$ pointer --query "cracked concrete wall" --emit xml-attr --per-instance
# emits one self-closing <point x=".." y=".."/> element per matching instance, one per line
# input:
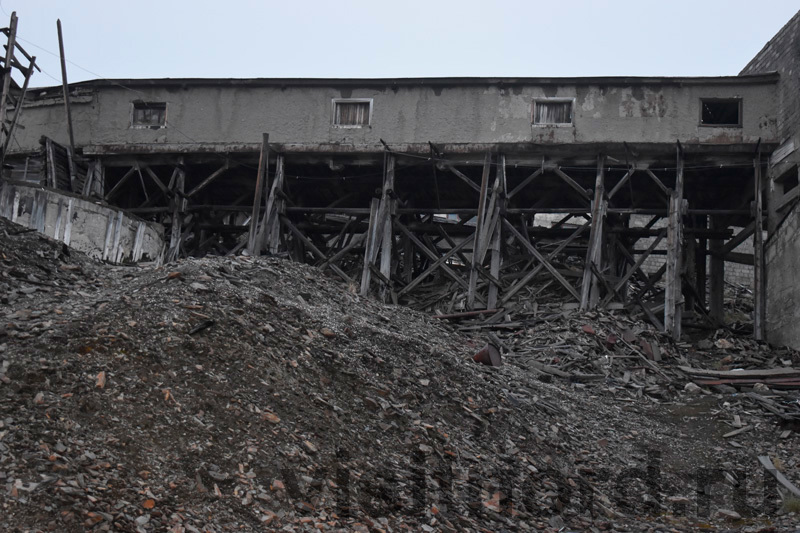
<point x="100" y="232"/>
<point x="782" y="255"/>
<point x="658" y="112"/>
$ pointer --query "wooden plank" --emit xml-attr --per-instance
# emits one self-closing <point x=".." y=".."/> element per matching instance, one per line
<point x="532" y="273"/>
<point x="372" y="232"/>
<point x="156" y="180"/>
<point x="473" y="275"/>
<point x="716" y="282"/>
<point x="17" y="110"/>
<point x="65" y="86"/>
<point x="574" y="184"/>
<point x="759" y="287"/>
<point x="621" y="182"/>
<point x="206" y="182"/>
<point x="525" y="183"/>
<point x="177" y="219"/>
<point x="673" y="296"/>
<point x="783" y="372"/>
<point x="738" y="239"/>
<point x="425" y="250"/>
<point x="5" y="95"/>
<point x="388" y="233"/>
<point x="463" y="177"/>
<point x="496" y="259"/>
<point x="310" y="245"/>
<point x="428" y="271"/>
<point x="658" y="182"/>
<point x="766" y="462"/>
<point x="532" y="249"/>
<point x="271" y="228"/>
<point x="594" y="254"/>
<point x="114" y="190"/>
<point x="636" y="266"/>
<point x="263" y="163"/>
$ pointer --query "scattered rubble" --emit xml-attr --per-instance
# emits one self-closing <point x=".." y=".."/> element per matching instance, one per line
<point x="249" y="394"/>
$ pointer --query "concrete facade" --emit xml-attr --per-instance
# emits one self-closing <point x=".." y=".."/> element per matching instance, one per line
<point x="644" y="110"/>
<point x="101" y="232"/>
<point x="782" y="255"/>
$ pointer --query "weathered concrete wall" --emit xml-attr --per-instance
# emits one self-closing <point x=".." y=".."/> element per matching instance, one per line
<point x="782" y="256"/>
<point x="638" y="111"/>
<point x="98" y="231"/>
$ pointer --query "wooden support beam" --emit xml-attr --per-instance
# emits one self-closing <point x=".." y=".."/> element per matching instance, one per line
<point x="716" y="291"/>
<point x="667" y="192"/>
<point x="156" y="180"/>
<point x="310" y="245"/>
<point x="621" y="182"/>
<point x="759" y="285"/>
<point x="276" y="206"/>
<point x="574" y="184"/>
<point x="532" y="273"/>
<point x="636" y="267"/>
<point x="65" y="85"/>
<point x="117" y="187"/>
<point x="701" y="268"/>
<point x="532" y="249"/>
<point x="738" y="239"/>
<point x="473" y="275"/>
<point x="5" y="95"/>
<point x="206" y="182"/>
<point x="389" y="209"/>
<point x="497" y="232"/>
<point x="673" y="298"/>
<point x="432" y="268"/>
<point x="525" y="183"/>
<point x="590" y="291"/>
<point x="178" y="208"/>
<point x="17" y="110"/>
<point x="462" y="176"/>
<point x="372" y="244"/>
<point x="433" y="257"/>
<point x="253" y="243"/>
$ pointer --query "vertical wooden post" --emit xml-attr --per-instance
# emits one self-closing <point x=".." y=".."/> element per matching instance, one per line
<point x="275" y="208"/>
<point x="253" y="244"/>
<point x="700" y="269"/>
<point x="673" y="299"/>
<point x="716" y="282"/>
<point x="389" y="207"/>
<point x="4" y="96"/>
<point x="590" y="291"/>
<point x="473" y="274"/>
<point x="177" y="217"/>
<point x="497" y="236"/>
<point x="370" y="245"/>
<point x="759" y="287"/>
<point x="66" y="105"/>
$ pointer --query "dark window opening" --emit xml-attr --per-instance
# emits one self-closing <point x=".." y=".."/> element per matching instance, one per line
<point x="351" y="113"/>
<point x="788" y="180"/>
<point x="721" y="112"/>
<point x="150" y="114"/>
<point x="557" y="112"/>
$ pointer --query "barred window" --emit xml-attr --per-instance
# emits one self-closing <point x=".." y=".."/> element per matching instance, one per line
<point x="352" y="113"/>
<point x="552" y="111"/>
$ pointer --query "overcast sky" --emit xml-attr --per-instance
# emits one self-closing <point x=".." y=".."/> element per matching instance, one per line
<point x="408" y="38"/>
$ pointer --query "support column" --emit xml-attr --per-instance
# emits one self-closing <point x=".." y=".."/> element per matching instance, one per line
<point x="590" y="291"/>
<point x="759" y="285"/>
<point x="389" y="205"/>
<point x="673" y="298"/>
<point x="497" y="236"/>
<point x="700" y="268"/>
<point x="178" y="209"/>
<point x="716" y="282"/>
<point x="276" y="206"/>
<point x="253" y="244"/>
<point x="473" y="274"/>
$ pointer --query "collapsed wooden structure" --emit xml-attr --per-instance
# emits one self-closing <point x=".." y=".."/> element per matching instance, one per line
<point x="457" y="228"/>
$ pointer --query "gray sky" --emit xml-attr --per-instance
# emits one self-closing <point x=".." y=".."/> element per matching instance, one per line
<point x="242" y="39"/>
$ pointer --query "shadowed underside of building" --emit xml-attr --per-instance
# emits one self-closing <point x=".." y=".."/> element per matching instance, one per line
<point x="453" y="194"/>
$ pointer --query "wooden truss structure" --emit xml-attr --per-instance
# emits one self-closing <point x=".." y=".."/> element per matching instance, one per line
<point x="481" y="229"/>
<point x="13" y="94"/>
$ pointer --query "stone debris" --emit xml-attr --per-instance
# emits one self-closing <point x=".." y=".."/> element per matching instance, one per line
<point x="245" y="394"/>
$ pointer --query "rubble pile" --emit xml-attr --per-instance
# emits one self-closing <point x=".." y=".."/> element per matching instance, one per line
<point x="240" y="394"/>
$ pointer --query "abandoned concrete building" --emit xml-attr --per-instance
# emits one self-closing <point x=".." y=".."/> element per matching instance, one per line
<point x="447" y="194"/>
